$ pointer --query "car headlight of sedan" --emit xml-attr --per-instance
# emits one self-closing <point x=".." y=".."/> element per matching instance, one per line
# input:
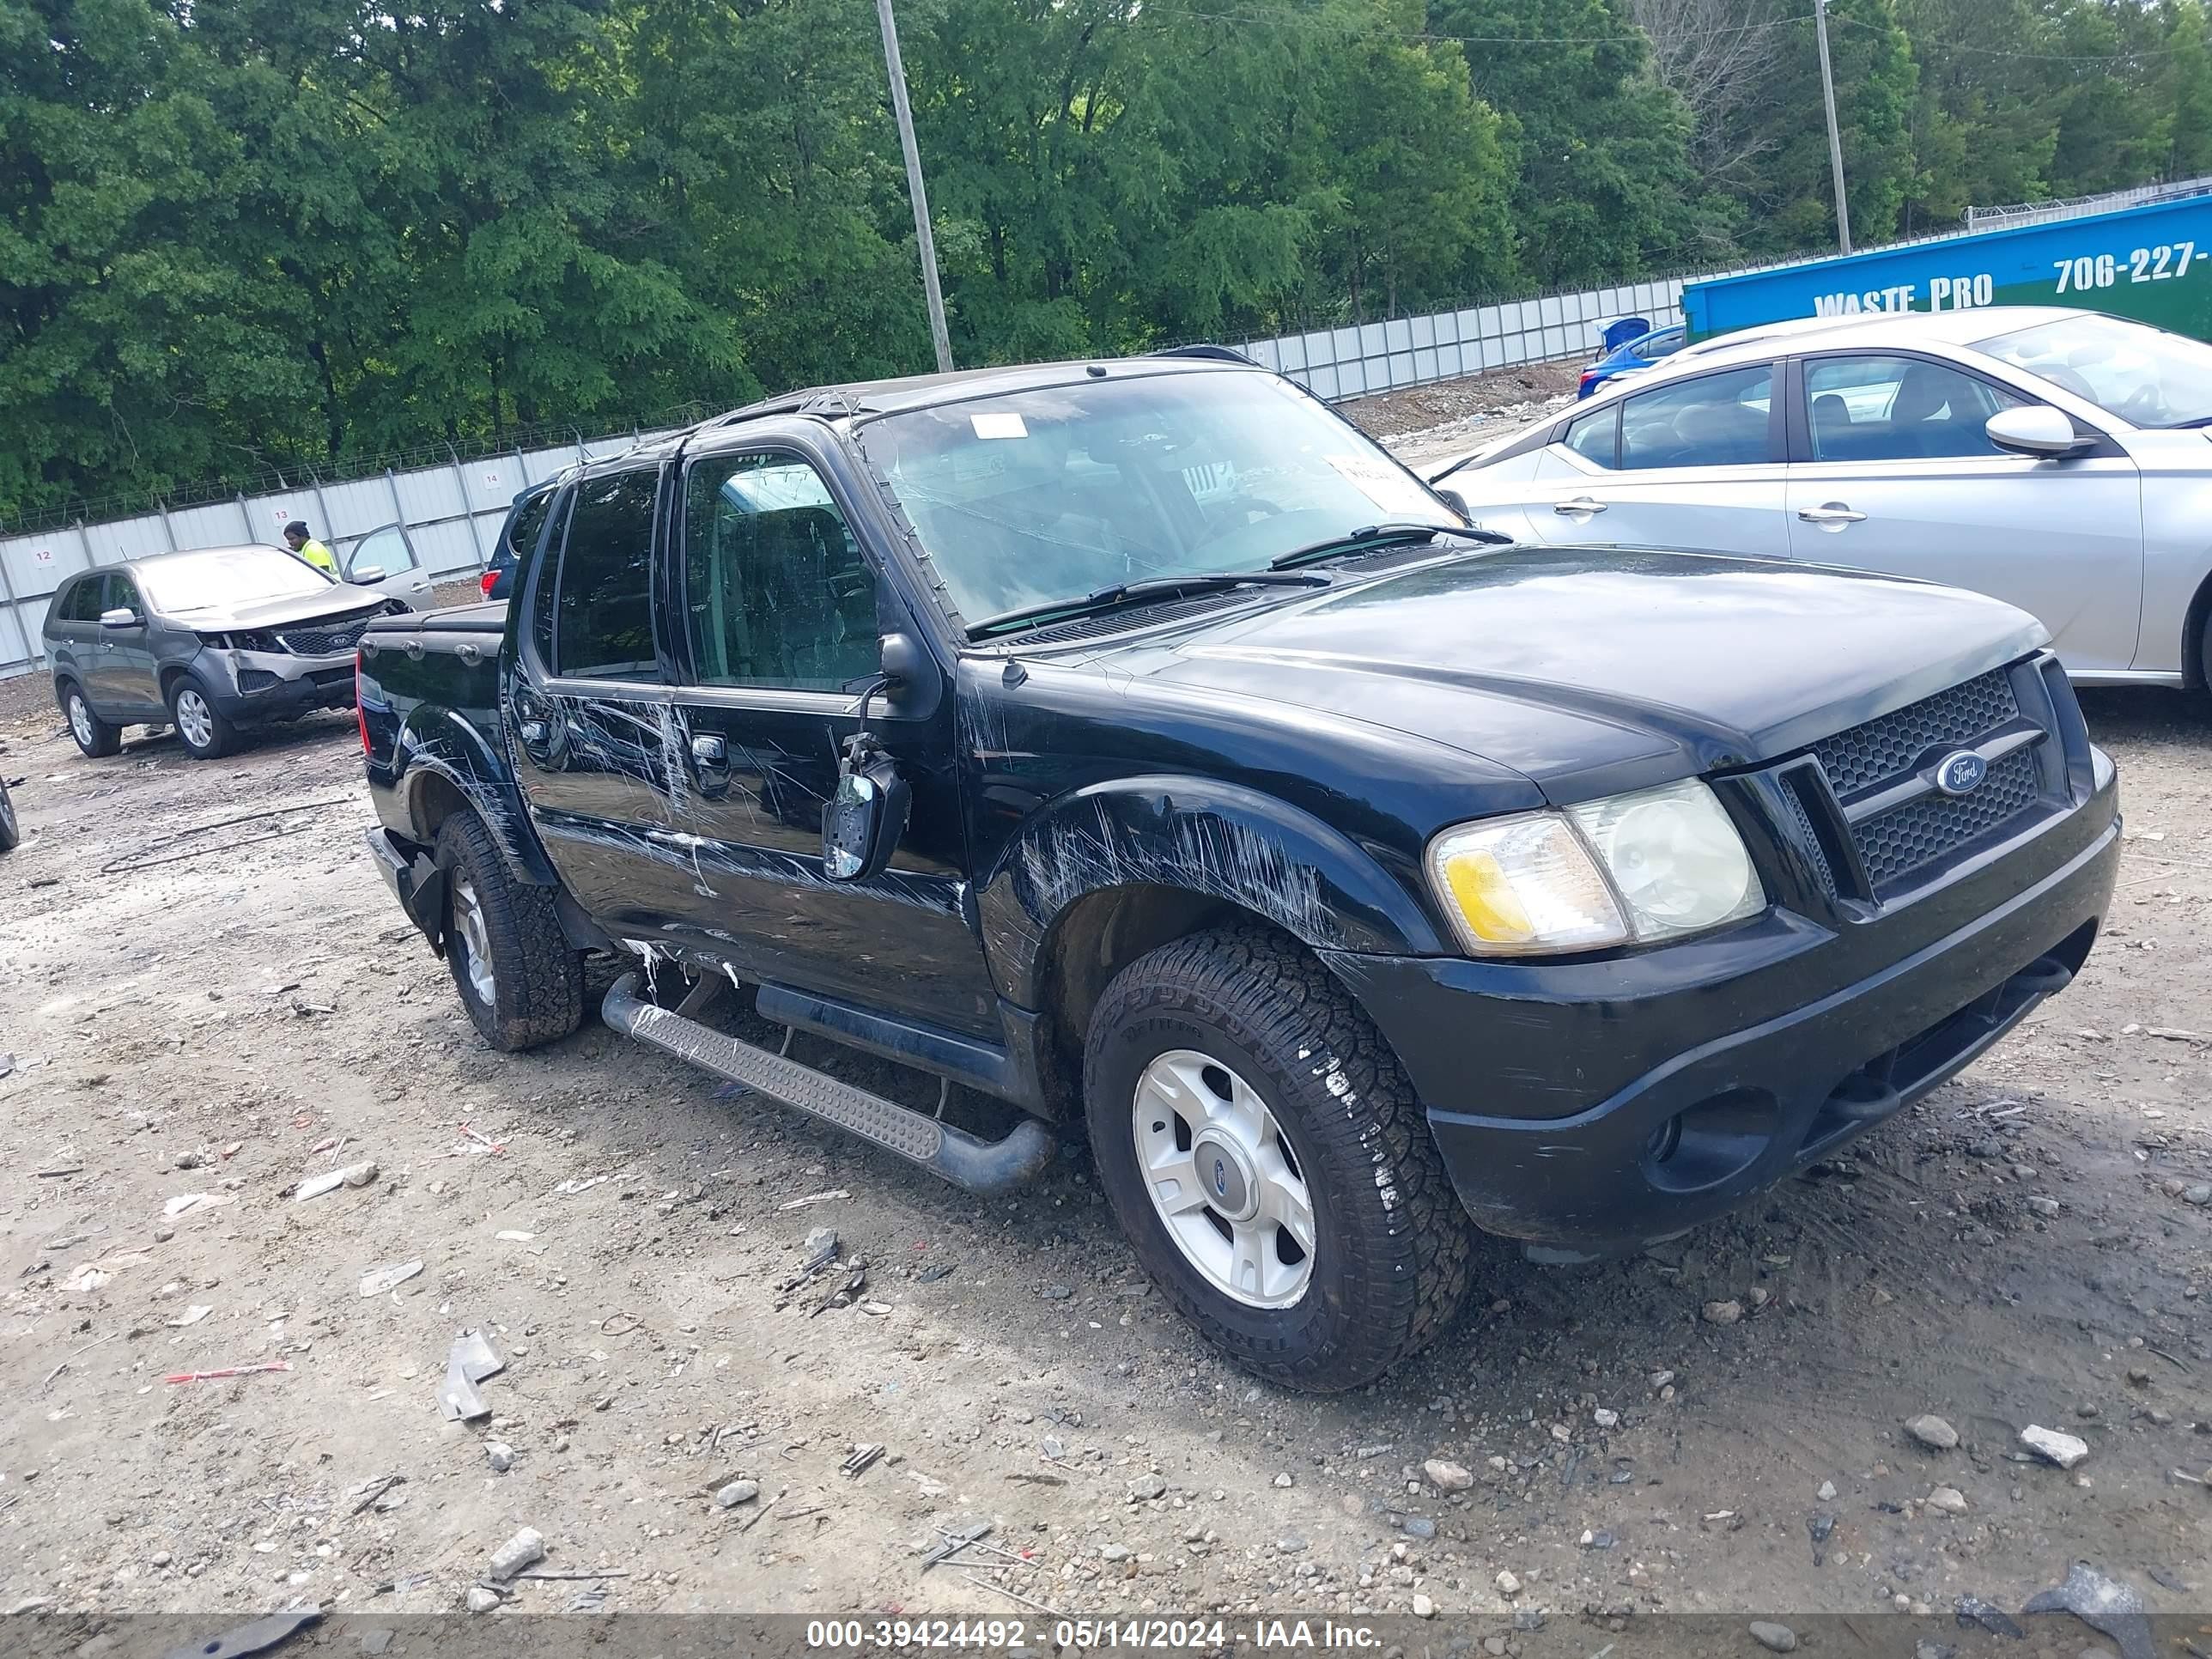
<point x="1630" y="869"/>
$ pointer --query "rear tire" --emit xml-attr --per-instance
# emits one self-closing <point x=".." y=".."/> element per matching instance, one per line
<point x="1211" y="1034"/>
<point x="11" y="830"/>
<point x="94" y="736"/>
<point x="521" y="983"/>
<point x="201" y="727"/>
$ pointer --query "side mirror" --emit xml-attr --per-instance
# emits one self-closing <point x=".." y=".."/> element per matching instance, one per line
<point x="864" y="820"/>
<point x="122" y="617"/>
<point x="367" y="573"/>
<point x="2034" y="429"/>
<point x="1457" y="502"/>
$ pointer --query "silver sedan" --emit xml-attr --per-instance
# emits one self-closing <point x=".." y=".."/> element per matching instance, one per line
<point x="2057" y="459"/>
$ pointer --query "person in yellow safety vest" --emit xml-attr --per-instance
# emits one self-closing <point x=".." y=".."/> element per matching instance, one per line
<point x="297" y="538"/>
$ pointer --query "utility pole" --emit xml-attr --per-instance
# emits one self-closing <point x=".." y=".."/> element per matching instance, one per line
<point x="926" y="242"/>
<point x="1827" y="95"/>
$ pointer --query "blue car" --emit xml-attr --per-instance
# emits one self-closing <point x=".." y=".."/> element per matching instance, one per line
<point x="1639" y="350"/>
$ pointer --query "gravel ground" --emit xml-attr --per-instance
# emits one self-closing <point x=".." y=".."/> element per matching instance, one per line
<point x="203" y="1014"/>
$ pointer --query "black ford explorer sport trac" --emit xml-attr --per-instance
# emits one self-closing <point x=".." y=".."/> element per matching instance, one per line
<point x="1136" y="748"/>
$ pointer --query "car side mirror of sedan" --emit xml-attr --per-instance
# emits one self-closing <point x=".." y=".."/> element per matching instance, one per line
<point x="367" y="573"/>
<point x="122" y="617"/>
<point x="1457" y="502"/>
<point x="2034" y="429"/>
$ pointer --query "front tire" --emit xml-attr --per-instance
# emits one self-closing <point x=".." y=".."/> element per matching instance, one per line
<point x="1265" y="1153"/>
<point x="201" y="727"/>
<point x="11" y="829"/>
<point x="521" y="983"/>
<point x="95" y="737"/>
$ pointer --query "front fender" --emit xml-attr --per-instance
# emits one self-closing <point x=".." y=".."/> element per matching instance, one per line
<point x="435" y="742"/>
<point x="1196" y="836"/>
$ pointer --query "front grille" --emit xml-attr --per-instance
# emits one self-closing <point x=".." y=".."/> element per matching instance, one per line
<point x="325" y="642"/>
<point x="1899" y="841"/>
<point x="1886" y="757"/>
<point x="1895" y="742"/>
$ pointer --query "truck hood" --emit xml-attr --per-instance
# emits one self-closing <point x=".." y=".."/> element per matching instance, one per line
<point x="342" y="601"/>
<point x="1593" y="670"/>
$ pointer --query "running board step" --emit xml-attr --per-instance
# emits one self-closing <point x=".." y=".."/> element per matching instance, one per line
<point x="965" y="1160"/>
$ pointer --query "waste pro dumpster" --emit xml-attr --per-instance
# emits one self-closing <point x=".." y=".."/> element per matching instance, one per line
<point x="2153" y="264"/>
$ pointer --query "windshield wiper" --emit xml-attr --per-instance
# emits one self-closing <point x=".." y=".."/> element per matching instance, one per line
<point x="1143" y="592"/>
<point x="1379" y="535"/>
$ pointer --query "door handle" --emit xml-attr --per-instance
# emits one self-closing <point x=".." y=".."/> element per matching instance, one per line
<point x="1830" y="513"/>
<point x="1579" y="504"/>
<point x="710" y="764"/>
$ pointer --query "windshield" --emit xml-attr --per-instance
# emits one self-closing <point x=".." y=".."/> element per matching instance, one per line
<point x="222" y="577"/>
<point x="2144" y="376"/>
<point x="1058" y="493"/>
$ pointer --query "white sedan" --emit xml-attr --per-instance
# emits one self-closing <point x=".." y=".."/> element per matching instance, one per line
<point x="2056" y="459"/>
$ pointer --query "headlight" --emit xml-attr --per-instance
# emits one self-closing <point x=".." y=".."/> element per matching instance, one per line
<point x="1632" y="869"/>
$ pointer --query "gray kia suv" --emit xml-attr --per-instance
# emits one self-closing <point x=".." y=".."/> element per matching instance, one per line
<point x="214" y="642"/>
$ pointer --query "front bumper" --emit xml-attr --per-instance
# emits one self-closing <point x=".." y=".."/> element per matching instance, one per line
<point x="1591" y="1108"/>
<point x="248" y="687"/>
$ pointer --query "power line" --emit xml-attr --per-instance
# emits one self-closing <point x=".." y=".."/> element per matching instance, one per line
<point x="1937" y="44"/>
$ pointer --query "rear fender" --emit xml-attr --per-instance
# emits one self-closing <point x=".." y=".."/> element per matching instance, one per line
<point x="437" y="749"/>
<point x="1197" y="835"/>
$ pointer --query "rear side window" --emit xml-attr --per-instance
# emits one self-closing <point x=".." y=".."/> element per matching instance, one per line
<point x="1594" y="436"/>
<point x="522" y="530"/>
<point x="602" y="621"/>
<point x="81" y="603"/>
<point x="1716" y="420"/>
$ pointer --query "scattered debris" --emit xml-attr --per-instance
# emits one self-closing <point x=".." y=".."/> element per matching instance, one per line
<point x="525" y="1549"/>
<point x="2104" y="1605"/>
<point x="513" y="1236"/>
<point x="379" y="1280"/>
<point x="482" y="1598"/>
<point x="59" y="1170"/>
<point x="353" y="1174"/>
<point x="188" y="1203"/>
<point x="191" y="1316"/>
<point x="371" y="1490"/>
<point x="2064" y="1449"/>
<point x="254" y="1637"/>
<point x="1775" y="1639"/>
<point x="472" y="1360"/>
<point x="736" y="1493"/>
<point x="863" y="1455"/>
<point x="586" y="1183"/>
<point x="228" y="1371"/>
<point x="1145" y="1487"/>
<point x="1948" y="1499"/>
<point x="936" y="1271"/>
<point x="1972" y="1610"/>
<point x="499" y="1455"/>
<point x="1036" y="1479"/>
<point x="1446" y="1476"/>
<point x="955" y="1541"/>
<point x="812" y="1199"/>
<point x="1933" y="1432"/>
<point x="74" y="1352"/>
<point x="1722" y="1313"/>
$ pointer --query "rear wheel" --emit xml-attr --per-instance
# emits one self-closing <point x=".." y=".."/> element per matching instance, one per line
<point x="1266" y="1154"/>
<point x="11" y="831"/>
<point x="201" y="727"/>
<point x="94" y="736"/>
<point x="517" y="976"/>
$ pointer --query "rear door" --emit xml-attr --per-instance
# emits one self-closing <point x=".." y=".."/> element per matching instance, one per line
<point x="1694" y="464"/>
<point x="385" y="559"/>
<point x="1893" y="471"/>
<point x="588" y="708"/>
<point x="782" y="616"/>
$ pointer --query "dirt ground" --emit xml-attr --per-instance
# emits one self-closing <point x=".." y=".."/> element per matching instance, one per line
<point x="206" y="996"/>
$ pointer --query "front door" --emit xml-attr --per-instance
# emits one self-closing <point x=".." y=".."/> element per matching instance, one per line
<point x="1695" y="464"/>
<point x="781" y="630"/>
<point x="125" y="683"/>
<point x="385" y="560"/>
<point x="1900" y="475"/>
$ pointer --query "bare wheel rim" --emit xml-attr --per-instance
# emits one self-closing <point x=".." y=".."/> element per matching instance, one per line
<point x="1223" y="1179"/>
<point x="195" y="719"/>
<point x="476" y="943"/>
<point x="81" y="721"/>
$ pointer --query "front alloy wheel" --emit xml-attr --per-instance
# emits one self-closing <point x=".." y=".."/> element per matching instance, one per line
<point x="1223" y="1179"/>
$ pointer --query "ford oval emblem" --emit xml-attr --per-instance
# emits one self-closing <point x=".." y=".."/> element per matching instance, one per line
<point x="1220" y="1178"/>
<point x="1961" y="773"/>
